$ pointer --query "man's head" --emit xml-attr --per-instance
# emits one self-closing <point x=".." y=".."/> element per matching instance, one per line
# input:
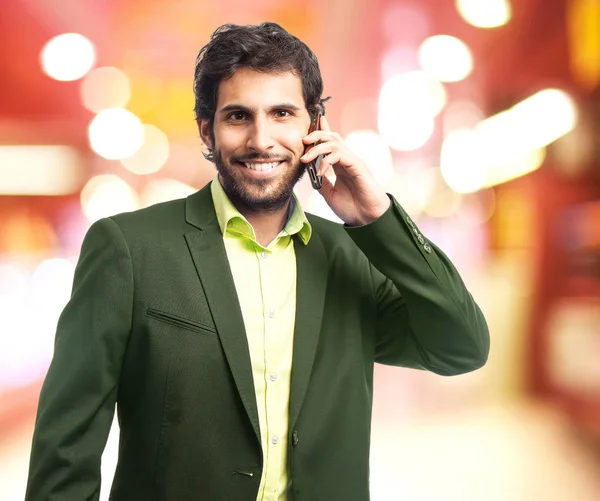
<point x="256" y="88"/>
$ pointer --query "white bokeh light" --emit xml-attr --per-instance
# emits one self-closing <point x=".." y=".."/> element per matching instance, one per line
<point x="461" y="162"/>
<point x="116" y="133"/>
<point x="405" y="132"/>
<point x="447" y="58"/>
<point x="106" y="195"/>
<point x="485" y="13"/>
<point x="408" y="104"/>
<point x="105" y="88"/>
<point x="153" y="153"/>
<point x="68" y="57"/>
<point x="370" y="147"/>
<point x="163" y="190"/>
<point x="414" y="92"/>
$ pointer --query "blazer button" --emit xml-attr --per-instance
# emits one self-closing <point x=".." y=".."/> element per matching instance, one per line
<point x="295" y="438"/>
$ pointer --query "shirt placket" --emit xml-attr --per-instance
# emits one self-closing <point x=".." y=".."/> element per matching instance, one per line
<point x="275" y="435"/>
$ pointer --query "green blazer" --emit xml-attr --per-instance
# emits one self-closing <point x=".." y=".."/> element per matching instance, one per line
<point x="154" y="326"/>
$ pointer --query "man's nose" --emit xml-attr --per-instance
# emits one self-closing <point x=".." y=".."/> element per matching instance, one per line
<point x="260" y="137"/>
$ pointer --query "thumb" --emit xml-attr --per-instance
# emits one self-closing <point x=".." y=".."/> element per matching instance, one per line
<point x="327" y="189"/>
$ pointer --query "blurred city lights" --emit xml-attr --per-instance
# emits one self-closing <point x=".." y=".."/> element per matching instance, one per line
<point x="116" y="133"/>
<point x="39" y="170"/>
<point x="477" y="208"/>
<point x="51" y="284"/>
<point x="461" y="162"/>
<point x="513" y="167"/>
<point x="443" y="201"/>
<point x="104" y="88"/>
<point x="415" y="92"/>
<point x="405" y="132"/>
<point x="399" y="60"/>
<point x="164" y="190"/>
<point x="485" y="13"/>
<point x="544" y="117"/>
<point x="447" y="58"/>
<point x="413" y="186"/>
<point x="68" y="57"/>
<point x="370" y="147"/>
<point x="460" y="115"/>
<point x="106" y="195"/>
<point x="152" y="155"/>
<point x="405" y="23"/>
<point x="407" y="105"/>
<point x="13" y="286"/>
<point x="507" y="145"/>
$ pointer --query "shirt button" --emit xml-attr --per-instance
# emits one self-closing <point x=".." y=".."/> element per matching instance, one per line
<point x="275" y="440"/>
<point x="264" y="254"/>
<point x="273" y="376"/>
<point x="271" y="313"/>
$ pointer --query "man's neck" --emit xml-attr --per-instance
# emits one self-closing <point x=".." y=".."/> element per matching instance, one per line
<point x="267" y="224"/>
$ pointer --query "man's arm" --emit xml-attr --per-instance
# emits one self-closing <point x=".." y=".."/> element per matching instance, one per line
<point x="427" y="318"/>
<point x="77" y="400"/>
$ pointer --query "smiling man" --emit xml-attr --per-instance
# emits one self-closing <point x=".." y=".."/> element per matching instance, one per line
<point x="235" y="333"/>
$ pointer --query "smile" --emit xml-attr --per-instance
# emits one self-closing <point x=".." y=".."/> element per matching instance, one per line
<point x="261" y="166"/>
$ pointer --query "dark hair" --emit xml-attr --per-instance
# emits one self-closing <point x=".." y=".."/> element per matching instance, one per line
<point x="266" y="47"/>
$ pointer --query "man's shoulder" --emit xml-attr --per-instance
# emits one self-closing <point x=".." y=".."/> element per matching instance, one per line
<point x="331" y="233"/>
<point x="161" y="221"/>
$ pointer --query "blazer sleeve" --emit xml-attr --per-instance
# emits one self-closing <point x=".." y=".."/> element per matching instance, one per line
<point x="77" y="400"/>
<point x="427" y="319"/>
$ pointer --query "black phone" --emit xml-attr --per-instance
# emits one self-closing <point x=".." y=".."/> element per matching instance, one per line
<point x="313" y="166"/>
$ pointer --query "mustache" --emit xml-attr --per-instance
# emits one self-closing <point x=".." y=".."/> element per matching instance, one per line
<point x="261" y="156"/>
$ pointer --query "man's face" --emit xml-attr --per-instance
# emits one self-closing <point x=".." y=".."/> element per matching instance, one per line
<point x="259" y="124"/>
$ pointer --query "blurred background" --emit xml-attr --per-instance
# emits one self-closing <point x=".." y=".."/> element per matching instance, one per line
<point x="481" y="116"/>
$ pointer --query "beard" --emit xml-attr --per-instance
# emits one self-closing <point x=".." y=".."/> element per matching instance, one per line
<point x="257" y="195"/>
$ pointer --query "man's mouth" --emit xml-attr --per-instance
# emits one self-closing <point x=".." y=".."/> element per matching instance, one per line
<point x="261" y="166"/>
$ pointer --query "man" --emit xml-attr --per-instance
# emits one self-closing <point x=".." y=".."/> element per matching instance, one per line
<point x="237" y="334"/>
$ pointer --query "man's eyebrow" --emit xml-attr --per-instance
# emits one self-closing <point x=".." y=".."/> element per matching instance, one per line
<point x="250" y="111"/>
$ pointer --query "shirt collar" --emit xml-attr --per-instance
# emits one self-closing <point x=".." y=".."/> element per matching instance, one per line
<point x="231" y="220"/>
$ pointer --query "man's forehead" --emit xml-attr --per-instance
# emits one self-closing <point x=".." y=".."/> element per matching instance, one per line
<point x="253" y="88"/>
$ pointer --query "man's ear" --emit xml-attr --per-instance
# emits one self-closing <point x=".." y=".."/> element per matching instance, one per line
<point x="204" y="130"/>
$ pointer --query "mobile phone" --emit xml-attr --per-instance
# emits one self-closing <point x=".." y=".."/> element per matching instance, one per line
<point x="313" y="166"/>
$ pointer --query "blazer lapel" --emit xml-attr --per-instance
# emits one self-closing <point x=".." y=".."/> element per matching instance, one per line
<point x="312" y="268"/>
<point x="210" y="259"/>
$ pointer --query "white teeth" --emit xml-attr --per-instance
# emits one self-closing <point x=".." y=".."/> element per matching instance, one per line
<point x="262" y="166"/>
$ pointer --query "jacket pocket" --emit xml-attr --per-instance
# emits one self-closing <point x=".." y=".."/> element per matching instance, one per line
<point x="178" y="321"/>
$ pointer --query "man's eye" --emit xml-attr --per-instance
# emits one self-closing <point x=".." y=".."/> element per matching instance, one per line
<point x="237" y="115"/>
<point x="282" y="113"/>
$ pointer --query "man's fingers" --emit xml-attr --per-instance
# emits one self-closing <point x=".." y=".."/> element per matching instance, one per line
<point x="325" y="124"/>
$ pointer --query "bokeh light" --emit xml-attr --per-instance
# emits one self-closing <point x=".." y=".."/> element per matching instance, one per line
<point x="370" y="147"/>
<point x="413" y="185"/>
<point x="461" y="162"/>
<point x="446" y="57"/>
<point x="103" y="88"/>
<point x="106" y="195"/>
<point x="116" y="133"/>
<point x="163" y="190"/>
<point x="68" y="57"/>
<point x="153" y="153"/>
<point x="399" y="60"/>
<point x="413" y="92"/>
<point x="485" y="13"/>
<point x="460" y="115"/>
<point x="407" y="105"/>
